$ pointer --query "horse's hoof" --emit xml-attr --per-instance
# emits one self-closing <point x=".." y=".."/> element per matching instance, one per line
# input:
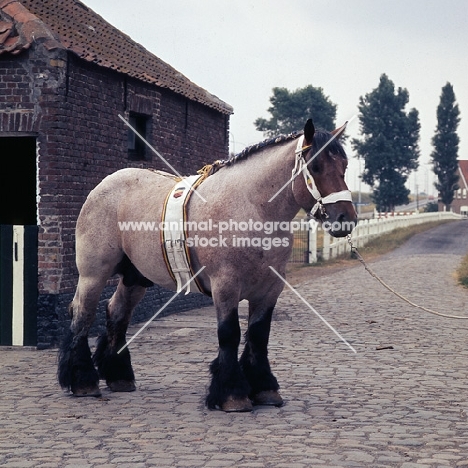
<point x="92" y="391"/>
<point x="268" y="397"/>
<point x="237" y="405"/>
<point x="122" y="386"/>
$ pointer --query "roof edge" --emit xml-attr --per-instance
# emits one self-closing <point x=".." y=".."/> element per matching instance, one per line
<point x="19" y="29"/>
<point x="202" y="97"/>
<point x="462" y="169"/>
<point x="29" y="22"/>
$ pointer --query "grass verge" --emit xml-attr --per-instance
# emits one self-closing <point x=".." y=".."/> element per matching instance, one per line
<point x="462" y="272"/>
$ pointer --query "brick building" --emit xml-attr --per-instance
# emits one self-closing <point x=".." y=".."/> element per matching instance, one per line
<point x="460" y="197"/>
<point x="65" y="76"/>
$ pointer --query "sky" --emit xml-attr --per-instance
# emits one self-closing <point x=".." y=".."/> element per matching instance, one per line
<point x="240" y="50"/>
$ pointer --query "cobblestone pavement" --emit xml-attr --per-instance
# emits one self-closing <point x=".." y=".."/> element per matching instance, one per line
<point x="401" y="401"/>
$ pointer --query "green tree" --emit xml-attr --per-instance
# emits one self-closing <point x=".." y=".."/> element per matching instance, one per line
<point x="445" y="142"/>
<point x="290" y="109"/>
<point x="389" y="144"/>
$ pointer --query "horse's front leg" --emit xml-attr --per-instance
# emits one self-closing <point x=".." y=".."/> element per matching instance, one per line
<point x="229" y="389"/>
<point x="254" y="360"/>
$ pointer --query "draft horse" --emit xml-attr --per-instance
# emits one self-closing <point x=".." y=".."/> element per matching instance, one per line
<point x="256" y="185"/>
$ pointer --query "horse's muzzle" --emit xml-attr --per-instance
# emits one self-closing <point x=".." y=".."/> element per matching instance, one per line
<point x="341" y="220"/>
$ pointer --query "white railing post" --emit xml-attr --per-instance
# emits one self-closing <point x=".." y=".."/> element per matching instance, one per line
<point x="326" y="246"/>
<point x="312" y="233"/>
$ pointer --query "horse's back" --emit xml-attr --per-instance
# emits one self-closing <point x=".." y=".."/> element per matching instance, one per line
<point x="131" y="179"/>
<point x="125" y="192"/>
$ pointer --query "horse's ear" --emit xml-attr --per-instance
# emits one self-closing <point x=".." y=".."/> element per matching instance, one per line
<point x="309" y="131"/>
<point x="340" y="130"/>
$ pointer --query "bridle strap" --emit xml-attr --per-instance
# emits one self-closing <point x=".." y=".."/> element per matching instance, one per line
<point x="301" y="166"/>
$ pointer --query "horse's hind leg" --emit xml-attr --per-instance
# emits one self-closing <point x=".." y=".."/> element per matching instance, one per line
<point x="112" y="356"/>
<point x="76" y="371"/>
<point x="254" y="359"/>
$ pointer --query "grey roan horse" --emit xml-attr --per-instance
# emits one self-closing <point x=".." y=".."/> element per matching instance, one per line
<point x="238" y="190"/>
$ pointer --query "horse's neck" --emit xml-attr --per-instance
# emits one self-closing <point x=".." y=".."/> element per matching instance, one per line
<point x="263" y="180"/>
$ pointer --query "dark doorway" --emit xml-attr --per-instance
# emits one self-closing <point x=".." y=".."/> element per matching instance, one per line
<point x="18" y="241"/>
<point x="18" y="180"/>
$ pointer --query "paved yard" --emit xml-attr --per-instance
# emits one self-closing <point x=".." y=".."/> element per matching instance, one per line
<point x="401" y="401"/>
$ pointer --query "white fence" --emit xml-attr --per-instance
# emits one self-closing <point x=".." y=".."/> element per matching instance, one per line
<point x="369" y="229"/>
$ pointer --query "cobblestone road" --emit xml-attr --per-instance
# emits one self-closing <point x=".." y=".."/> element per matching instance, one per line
<point x="401" y="401"/>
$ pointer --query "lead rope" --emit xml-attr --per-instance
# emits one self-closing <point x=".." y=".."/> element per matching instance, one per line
<point x="355" y="251"/>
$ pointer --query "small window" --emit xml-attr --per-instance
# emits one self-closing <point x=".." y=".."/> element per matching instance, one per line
<point x="136" y="146"/>
<point x="464" y="193"/>
<point x="459" y="192"/>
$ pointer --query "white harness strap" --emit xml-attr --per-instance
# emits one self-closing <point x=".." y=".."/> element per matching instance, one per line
<point x="301" y="166"/>
<point x="174" y="234"/>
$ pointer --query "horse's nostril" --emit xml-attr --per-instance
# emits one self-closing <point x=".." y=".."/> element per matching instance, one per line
<point x="343" y="225"/>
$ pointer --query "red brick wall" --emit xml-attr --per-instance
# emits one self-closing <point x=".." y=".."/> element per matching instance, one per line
<point x="73" y="106"/>
<point x="28" y="88"/>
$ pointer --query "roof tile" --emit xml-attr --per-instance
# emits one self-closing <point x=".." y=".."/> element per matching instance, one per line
<point x="72" y="25"/>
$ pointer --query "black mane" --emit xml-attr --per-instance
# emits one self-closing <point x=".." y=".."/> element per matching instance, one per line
<point x="321" y="137"/>
<point x="258" y="146"/>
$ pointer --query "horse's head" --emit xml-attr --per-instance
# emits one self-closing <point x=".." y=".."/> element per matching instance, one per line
<point x="323" y="162"/>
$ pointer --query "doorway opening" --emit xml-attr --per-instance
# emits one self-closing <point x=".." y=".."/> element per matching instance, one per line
<point x="18" y="241"/>
<point x="18" y="180"/>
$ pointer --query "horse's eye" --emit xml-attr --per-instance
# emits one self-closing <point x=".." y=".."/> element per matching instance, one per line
<point x="315" y="167"/>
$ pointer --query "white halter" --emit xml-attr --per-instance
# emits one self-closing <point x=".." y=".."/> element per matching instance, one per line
<point x="301" y="166"/>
